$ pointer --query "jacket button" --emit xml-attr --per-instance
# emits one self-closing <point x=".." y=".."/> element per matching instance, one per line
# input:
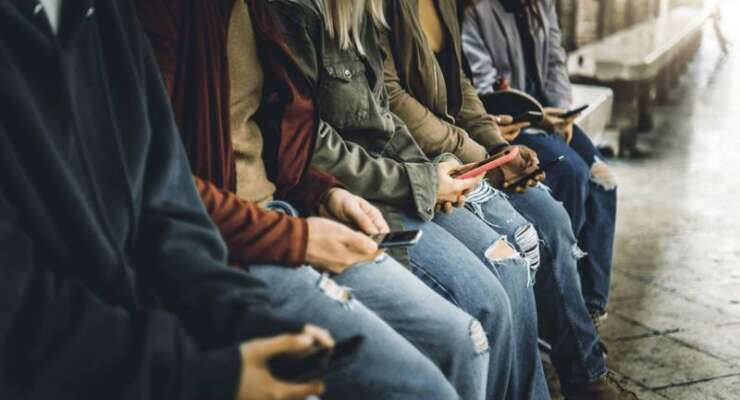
<point x="429" y="210"/>
<point x="347" y="73"/>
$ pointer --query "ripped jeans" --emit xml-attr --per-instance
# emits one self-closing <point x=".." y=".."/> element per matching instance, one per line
<point x="588" y="191"/>
<point x="564" y="321"/>
<point x="411" y="332"/>
<point x="455" y="257"/>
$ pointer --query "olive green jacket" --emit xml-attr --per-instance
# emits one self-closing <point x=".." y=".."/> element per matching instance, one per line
<point x="437" y="102"/>
<point x="365" y="146"/>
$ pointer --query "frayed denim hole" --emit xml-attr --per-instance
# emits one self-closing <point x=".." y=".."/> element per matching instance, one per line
<point x="529" y="244"/>
<point x="602" y="175"/>
<point x="478" y="337"/>
<point x="335" y="291"/>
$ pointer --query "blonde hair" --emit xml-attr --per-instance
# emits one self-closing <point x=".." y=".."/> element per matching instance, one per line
<point x="343" y="20"/>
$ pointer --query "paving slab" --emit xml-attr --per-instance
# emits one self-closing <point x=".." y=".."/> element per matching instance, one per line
<point x="618" y="328"/>
<point x="658" y="362"/>
<point x="722" y="342"/>
<point x="717" y="389"/>
<point x="669" y="312"/>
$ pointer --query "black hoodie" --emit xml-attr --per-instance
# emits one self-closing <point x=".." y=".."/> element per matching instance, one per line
<point x="113" y="281"/>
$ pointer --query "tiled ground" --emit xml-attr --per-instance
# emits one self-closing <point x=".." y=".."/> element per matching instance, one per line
<point x="674" y="331"/>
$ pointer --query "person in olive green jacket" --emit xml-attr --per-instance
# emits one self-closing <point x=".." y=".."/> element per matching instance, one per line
<point x="371" y="152"/>
<point x="429" y="91"/>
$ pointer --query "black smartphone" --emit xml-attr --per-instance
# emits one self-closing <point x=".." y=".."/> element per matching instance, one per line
<point x="397" y="239"/>
<point x="543" y="168"/>
<point x="533" y="117"/>
<point x="319" y="362"/>
<point x="573" y="112"/>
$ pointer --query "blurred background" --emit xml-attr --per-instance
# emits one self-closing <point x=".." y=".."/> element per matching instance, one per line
<point x="663" y="77"/>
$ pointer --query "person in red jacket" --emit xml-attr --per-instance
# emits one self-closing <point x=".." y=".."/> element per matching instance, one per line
<point x="210" y="63"/>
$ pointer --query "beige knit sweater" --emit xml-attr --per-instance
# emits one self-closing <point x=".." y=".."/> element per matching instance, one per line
<point x="246" y="77"/>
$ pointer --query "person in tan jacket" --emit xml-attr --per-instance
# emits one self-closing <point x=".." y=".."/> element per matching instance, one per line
<point x="429" y="91"/>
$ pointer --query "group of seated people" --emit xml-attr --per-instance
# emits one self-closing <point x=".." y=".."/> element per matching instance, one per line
<point x="189" y="189"/>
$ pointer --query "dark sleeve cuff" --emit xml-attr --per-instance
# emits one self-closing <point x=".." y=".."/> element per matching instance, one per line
<point x="220" y="374"/>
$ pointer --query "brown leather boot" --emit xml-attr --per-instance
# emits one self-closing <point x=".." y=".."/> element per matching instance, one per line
<point x="604" y="388"/>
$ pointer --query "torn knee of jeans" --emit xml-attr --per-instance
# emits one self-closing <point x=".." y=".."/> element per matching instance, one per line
<point x="478" y="337"/>
<point x="603" y="176"/>
<point x="577" y="252"/>
<point x="501" y="250"/>
<point x="529" y="243"/>
<point x="334" y="291"/>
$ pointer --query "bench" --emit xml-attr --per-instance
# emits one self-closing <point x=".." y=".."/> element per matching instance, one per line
<point x="640" y="64"/>
<point x="595" y="119"/>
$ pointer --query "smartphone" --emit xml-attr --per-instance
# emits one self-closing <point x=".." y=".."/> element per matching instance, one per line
<point x="533" y="117"/>
<point x="487" y="164"/>
<point x="397" y="239"/>
<point x="543" y="168"/>
<point x="573" y="112"/>
<point x="319" y="362"/>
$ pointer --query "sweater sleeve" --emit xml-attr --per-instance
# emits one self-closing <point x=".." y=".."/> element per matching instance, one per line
<point x="477" y="53"/>
<point x="476" y="120"/>
<point x="254" y="235"/>
<point x="558" y="89"/>
<point x="433" y="134"/>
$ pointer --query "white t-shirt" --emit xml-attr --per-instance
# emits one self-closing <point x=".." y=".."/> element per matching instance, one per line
<point x="53" y="9"/>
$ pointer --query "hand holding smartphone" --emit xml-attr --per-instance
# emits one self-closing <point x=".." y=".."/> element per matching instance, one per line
<point x="542" y="169"/>
<point x="320" y="361"/>
<point x="488" y="164"/>
<point x="397" y="239"/>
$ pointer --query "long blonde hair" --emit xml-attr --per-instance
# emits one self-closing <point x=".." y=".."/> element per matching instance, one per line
<point x="343" y="20"/>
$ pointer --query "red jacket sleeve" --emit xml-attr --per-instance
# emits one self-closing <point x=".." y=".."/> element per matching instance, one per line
<point x="307" y="194"/>
<point x="254" y="235"/>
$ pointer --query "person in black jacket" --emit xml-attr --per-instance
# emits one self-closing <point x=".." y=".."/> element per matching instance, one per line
<point x="113" y="281"/>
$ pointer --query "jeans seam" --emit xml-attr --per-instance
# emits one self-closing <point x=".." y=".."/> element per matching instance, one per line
<point x="556" y="280"/>
<point x="447" y="294"/>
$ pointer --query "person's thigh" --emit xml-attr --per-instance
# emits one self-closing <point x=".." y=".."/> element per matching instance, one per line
<point x="498" y="212"/>
<point x="584" y="146"/>
<point x="496" y="293"/>
<point x="549" y="147"/>
<point x="387" y="366"/>
<point x="443" y="332"/>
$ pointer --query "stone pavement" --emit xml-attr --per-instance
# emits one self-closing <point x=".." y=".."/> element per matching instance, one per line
<point x="674" y="328"/>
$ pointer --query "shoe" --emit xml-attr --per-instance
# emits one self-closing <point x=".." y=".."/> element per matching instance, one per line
<point x="605" y="388"/>
<point x="598" y="318"/>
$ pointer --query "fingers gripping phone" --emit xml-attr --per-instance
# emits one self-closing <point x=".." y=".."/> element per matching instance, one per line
<point x="397" y="239"/>
<point x="319" y="362"/>
<point x="487" y="164"/>
<point x="543" y="168"/>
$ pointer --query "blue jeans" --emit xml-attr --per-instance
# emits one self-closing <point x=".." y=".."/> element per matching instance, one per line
<point x="451" y="259"/>
<point x="405" y="323"/>
<point x="410" y="332"/>
<point x="564" y="321"/>
<point x="591" y="205"/>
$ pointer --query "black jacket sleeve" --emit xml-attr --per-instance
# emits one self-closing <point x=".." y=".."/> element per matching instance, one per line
<point x="59" y="340"/>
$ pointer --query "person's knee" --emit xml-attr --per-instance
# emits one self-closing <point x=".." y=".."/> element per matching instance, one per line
<point x="603" y="176"/>
<point x="500" y="250"/>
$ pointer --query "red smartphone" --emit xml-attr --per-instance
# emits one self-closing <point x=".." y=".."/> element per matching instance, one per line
<point x="487" y="164"/>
